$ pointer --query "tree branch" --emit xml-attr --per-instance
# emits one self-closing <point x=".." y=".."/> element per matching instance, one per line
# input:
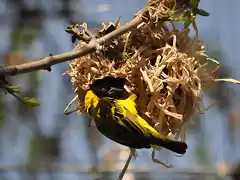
<point x="51" y="60"/>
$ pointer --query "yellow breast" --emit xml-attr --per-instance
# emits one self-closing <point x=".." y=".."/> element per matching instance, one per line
<point x="90" y="100"/>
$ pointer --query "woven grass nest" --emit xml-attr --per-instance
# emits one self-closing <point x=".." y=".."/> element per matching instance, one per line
<point x="163" y="66"/>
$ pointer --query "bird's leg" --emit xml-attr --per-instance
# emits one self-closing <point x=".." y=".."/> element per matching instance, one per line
<point x="158" y="161"/>
<point x="133" y="152"/>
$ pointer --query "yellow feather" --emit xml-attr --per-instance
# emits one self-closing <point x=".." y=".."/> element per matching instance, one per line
<point x="129" y="103"/>
<point x="90" y="100"/>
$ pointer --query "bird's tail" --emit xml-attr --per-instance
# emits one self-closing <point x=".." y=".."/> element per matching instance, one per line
<point x="172" y="145"/>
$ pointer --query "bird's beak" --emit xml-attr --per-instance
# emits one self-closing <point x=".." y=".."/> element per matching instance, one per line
<point x="115" y="90"/>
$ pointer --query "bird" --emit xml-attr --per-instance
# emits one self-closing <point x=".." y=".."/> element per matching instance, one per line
<point x="118" y="119"/>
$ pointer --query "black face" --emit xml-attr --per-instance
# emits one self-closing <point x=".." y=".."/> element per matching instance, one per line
<point x="109" y="87"/>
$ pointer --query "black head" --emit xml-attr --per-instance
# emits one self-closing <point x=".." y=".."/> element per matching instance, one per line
<point x="109" y="87"/>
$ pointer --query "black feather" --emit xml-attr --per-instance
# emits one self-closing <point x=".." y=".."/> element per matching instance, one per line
<point x="109" y="87"/>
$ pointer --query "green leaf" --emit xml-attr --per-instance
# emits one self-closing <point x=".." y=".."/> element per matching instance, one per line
<point x="187" y="24"/>
<point x="69" y="29"/>
<point x="202" y="12"/>
<point x="184" y="17"/>
<point x="13" y="89"/>
<point x="31" y="102"/>
<point x="195" y="3"/>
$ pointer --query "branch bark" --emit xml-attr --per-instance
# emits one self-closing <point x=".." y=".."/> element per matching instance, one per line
<point x="51" y="60"/>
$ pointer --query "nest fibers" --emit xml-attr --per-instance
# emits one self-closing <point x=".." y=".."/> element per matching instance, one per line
<point x="163" y="67"/>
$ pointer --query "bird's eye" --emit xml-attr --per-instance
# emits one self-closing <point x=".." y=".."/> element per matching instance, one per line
<point x="104" y="90"/>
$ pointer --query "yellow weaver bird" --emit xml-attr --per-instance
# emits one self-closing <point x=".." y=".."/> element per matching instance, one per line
<point x="118" y="120"/>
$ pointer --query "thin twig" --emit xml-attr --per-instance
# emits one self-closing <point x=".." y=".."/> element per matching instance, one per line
<point x="125" y="166"/>
<point x="69" y="105"/>
<point x="49" y="61"/>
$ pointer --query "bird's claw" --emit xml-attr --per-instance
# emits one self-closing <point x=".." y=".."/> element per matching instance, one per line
<point x="160" y="162"/>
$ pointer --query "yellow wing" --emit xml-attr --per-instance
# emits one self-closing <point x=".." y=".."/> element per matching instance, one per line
<point x="128" y="104"/>
<point x="127" y="108"/>
<point x="131" y="118"/>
